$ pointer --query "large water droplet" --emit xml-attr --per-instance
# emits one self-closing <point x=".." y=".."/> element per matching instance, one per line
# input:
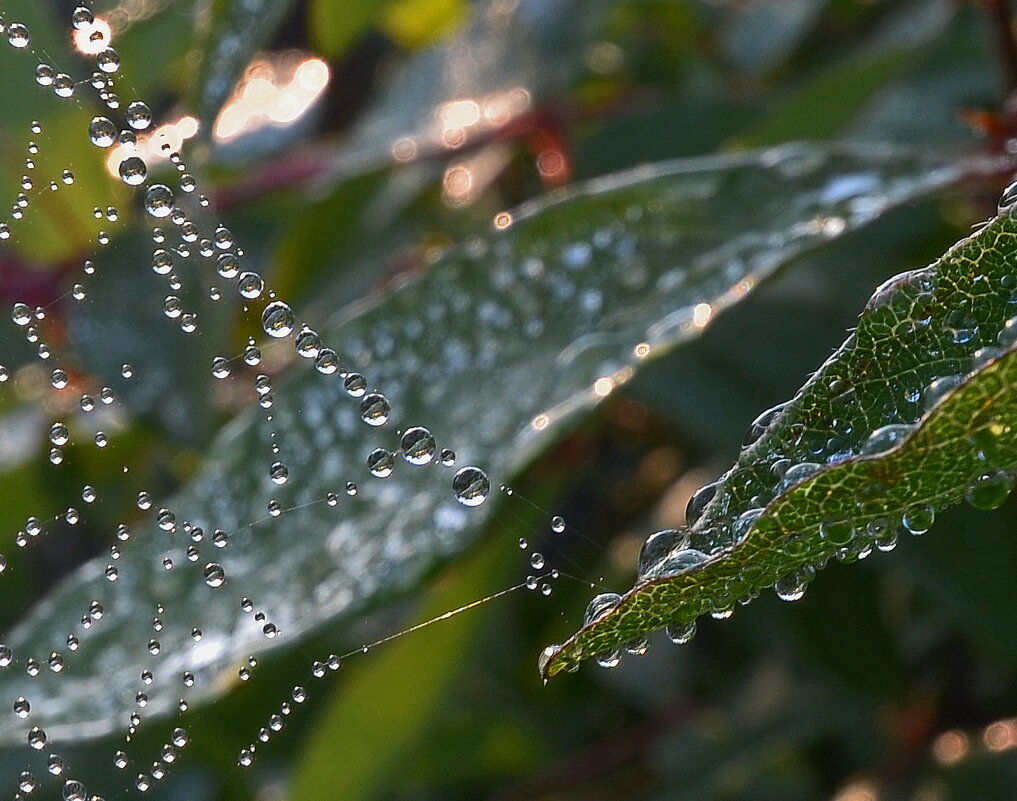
<point x="470" y="486"/>
<point x="139" y="115"/>
<point x="277" y="319"/>
<point x="215" y="576"/>
<point x="374" y="409"/>
<point x="677" y="563"/>
<point x="74" y="791"/>
<point x="159" y="201"/>
<point x="919" y="519"/>
<point x="600" y="606"/>
<point x="418" y="445"/>
<point x="989" y="491"/>
<point x="762" y="422"/>
<point x="697" y="503"/>
<point x="133" y="170"/>
<point x="380" y="463"/>
<point x="657" y="547"/>
<point x="681" y="633"/>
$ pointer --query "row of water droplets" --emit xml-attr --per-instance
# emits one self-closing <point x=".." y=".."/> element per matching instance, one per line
<point x="417" y="445"/>
<point x="903" y="308"/>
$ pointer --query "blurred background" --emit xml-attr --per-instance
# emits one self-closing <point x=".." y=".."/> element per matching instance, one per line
<point x="344" y="143"/>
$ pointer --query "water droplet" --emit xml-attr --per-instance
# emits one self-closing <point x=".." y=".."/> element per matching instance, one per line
<point x="697" y="503"/>
<point x="681" y="633"/>
<point x="74" y="790"/>
<point x="17" y="35"/>
<point x="159" y="200"/>
<point x="250" y="285"/>
<point x="215" y="576"/>
<point x="380" y="463"/>
<point x="798" y="473"/>
<point x="228" y="266"/>
<point x="417" y="445"/>
<point x="326" y="362"/>
<point x="277" y="319"/>
<point x="22" y="707"/>
<point x="677" y="563"/>
<point x="44" y="75"/>
<point x="374" y="409"/>
<point x="355" y="385"/>
<point x="63" y="85"/>
<point x="837" y="532"/>
<point x="470" y="486"/>
<point x="21" y="314"/>
<point x="659" y="546"/>
<point x="989" y="491"/>
<point x="762" y="422"/>
<point x="139" y="115"/>
<point x="558" y="525"/>
<point x="220" y="367"/>
<point x="537" y="560"/>
<point x="133" y="170"/>
<point x="1007" y="198"/>
<point x="919" y="519"/>
<point x="37" y="738"/>
<point x="26" y="782"/>
<point x="279" y="473"/>
<point x="792" y="587"/>
<point x="308" y="343"/>
<point x="447" y="457"/>
<point x="58" y="434"/>
<point x="599" y="606"/>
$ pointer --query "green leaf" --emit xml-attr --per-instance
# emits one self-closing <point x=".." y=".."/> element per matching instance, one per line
<point x="853" y="459"/>
<point x="494" y="348"/>
<point x="336" y="26"/>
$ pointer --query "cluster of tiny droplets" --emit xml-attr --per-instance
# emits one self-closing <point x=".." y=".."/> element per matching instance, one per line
<point x="176" y="237"/>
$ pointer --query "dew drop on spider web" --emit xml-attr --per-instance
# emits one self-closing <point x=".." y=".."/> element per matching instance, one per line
<point x="138" y="115"/>
<point x="380" y="462"/>
<point x="159" y="201"/>
<point x="82" y="18"/>
<point x="133" y="170"/>
<point x="18" y="35"/>
<point x="374" y="409"/>
<point x="277" y="319"/>
<point x="418" y="445"/>
<point x="214" y="574"/>
<point x="470" y="486"/>
<point x="250" y="285"/>
<point x="355" y="385"/>
<point x="279" y="473"/>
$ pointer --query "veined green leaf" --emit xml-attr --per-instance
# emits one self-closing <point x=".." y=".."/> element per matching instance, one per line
<point x="499" y="342"/>
<point x="915" y="412"/>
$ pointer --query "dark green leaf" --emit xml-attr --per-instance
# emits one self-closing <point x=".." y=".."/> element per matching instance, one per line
<point x="853" y="458"/>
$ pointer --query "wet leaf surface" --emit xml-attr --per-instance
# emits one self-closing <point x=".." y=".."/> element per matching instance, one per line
<point x="914" y="413"/>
